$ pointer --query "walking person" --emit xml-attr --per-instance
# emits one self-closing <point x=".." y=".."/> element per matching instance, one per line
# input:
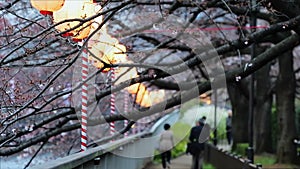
<point x="197" y="140"/>
<point x="166" y="143"/>
<point x="229" y="128"/>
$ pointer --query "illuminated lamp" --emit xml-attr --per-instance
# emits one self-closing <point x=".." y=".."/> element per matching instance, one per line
<point x="75" y="10"/>
<point x="108" y="50"/>
<point x="47" y="7"/>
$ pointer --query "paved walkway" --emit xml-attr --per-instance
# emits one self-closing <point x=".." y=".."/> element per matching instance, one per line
<point x="185" y="161"/>
<point x="182" y="162"/>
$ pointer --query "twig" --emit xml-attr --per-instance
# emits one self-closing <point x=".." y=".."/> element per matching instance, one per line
<point x="35" y="154"/>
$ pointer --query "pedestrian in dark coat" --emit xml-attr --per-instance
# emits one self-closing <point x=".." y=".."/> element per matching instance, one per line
<point x="197" y="145"/>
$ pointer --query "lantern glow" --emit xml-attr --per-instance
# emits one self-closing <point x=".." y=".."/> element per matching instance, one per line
<point x="108" y="50"/>
<point x="47" y="7"/>
<point x="75" y="10"/>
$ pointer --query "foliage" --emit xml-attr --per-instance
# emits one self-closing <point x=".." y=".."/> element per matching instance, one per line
<point x="221" y="131"/>
<point x="241" y="149"/>
<point x="181" y="131"/>
<point x="265" y="159"/>
<point x="179" y="149"/>
<point x="268" y="161"/>
<point x="208" y="166"/>
<point x="186" y="106"/>
<point x="274" y="126"/>
<point x="156" y="158"/>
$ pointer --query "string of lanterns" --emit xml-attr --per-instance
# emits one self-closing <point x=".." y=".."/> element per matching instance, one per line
<point x="102" y="45"/>
<point x="47" y="7"/>
<point x="61" y="10"/>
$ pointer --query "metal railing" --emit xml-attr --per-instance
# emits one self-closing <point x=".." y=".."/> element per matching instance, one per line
<point x="225" y="160"/>
<point x="136" y="151"/>
<point x="132" y="152"/>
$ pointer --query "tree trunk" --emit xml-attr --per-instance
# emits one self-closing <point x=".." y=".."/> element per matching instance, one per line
<point x="262" y="113"/>
<point x="239" y="102"/>
<point x="285" y="106"/>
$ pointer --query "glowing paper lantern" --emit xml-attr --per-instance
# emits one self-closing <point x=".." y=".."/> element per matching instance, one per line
<point x="47" y="7"/>
<point x="75" y="10"/>
<point x="108" y="50"/>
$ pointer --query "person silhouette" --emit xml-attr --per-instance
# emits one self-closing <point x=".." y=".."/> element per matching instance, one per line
<point x="197" y="137"/>
<point x="229" y="128"/>
<point x="166" y="143"/>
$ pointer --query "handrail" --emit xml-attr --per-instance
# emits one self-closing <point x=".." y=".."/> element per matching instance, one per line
<point x="220" y="158"/>
<point x="77" y="159"/>
<point x="90" y="157"/>
<point x="162" y="120"/>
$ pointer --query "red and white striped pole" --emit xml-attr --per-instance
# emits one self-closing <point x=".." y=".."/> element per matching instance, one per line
<point x="112" y="103"/>
<point x="84" y="98"/>
<point x="126" y="98"/>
